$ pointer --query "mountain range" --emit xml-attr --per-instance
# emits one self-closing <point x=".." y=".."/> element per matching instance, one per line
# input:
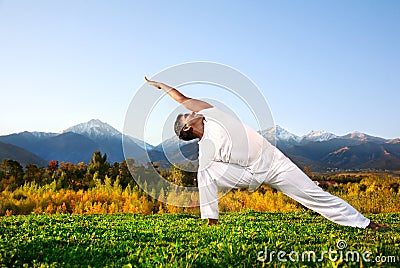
<point x="319" y="149"/>
<point x="77" y="143"/>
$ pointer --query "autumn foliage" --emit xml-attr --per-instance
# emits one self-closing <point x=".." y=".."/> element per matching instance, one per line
<point x="99" y="187"/>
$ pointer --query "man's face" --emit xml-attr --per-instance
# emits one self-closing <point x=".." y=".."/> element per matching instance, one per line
<point x="185" y="122"/>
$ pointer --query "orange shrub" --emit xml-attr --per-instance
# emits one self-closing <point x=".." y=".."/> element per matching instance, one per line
<point x="371" y="195"/>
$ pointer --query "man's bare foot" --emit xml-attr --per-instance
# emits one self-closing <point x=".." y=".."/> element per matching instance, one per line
<point x="212" y="222"/>
<point x="374" y="226"/>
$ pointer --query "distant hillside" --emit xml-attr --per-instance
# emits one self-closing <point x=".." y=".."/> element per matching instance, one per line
<point x="319" y="149"/>
<point x="9" y="151"/>
<point x="77" y="143"/>
<point x="346" y="154"/>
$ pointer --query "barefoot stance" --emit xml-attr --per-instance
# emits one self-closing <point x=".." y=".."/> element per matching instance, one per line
<point x="374" y="226"/>
<point x="233" y="155"/>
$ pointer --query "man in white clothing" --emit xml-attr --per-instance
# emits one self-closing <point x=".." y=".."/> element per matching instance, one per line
<point x="233" y="155"/>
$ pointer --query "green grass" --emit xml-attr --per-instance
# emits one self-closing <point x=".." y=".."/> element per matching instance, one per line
<point x="182" y="240"/>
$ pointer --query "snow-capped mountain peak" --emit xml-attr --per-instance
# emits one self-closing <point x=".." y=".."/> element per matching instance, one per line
<point x="172" y="144"/>
<point x="94" y="129"/>
<point x="318" y="136"/>
<point x="394" y="141"/>
<point x="284" y="135"/>
<point x="279" y="134"/>
<point x="43" y="135"/>
<point x="356" y="135"/>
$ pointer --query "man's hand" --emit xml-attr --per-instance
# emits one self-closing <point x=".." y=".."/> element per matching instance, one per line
<point x="153" y="83"/>
<point x="189" y="103"/>
<point x="212" y="222"/>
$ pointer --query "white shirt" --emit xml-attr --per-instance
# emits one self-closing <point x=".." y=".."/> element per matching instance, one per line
<point x="226" y="139"/>
<point x="233" y="155"/>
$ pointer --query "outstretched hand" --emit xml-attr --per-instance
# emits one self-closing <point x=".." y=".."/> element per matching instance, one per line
<point x="189" y="103"/>
<point x="153" y="83"/>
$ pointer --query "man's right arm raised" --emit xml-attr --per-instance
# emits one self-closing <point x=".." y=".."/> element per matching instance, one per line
<point x="189" y="103"/>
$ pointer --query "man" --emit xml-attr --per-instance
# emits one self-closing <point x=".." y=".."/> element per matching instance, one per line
<point x="232" y="155"/>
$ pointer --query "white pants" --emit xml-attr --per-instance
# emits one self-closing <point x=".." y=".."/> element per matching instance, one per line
<point x="288" y="179"/>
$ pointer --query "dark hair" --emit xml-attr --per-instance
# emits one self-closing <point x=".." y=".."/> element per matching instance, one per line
<point x="179" y="124"/>
<point x="187" y="135"/>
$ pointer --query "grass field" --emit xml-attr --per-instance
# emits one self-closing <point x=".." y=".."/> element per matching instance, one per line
<point x="182" y="240"/>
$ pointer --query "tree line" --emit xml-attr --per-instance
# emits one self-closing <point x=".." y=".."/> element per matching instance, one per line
<point x="82" y="176"/>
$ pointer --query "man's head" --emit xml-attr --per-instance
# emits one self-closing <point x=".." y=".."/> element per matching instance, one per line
<point x="185" y="126"/>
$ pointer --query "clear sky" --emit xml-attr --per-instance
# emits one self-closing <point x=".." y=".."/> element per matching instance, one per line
<point x="322" y="65"/>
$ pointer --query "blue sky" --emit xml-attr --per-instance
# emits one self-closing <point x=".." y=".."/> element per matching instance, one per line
<point x="322" y="65"/>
